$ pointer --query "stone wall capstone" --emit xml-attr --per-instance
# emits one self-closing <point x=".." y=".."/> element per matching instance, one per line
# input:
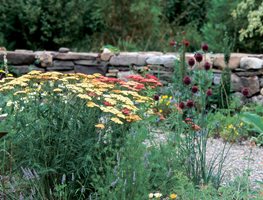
<point x="247" y="69"/>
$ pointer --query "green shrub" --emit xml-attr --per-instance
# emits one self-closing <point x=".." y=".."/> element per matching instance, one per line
<point x="250" y="13"/>
<point x="218" y="23"/>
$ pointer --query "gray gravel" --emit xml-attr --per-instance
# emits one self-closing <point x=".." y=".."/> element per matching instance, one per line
<point x="241" y="157"/>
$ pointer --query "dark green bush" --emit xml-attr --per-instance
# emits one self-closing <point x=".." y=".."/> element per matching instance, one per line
<point x="45" y="24"/>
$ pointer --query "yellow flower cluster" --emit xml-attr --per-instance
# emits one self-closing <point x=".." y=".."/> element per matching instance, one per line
<point x="109" y="95"/>
<point x="233" y="129"/>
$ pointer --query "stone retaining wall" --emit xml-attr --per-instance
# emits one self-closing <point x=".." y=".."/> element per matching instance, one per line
<point x="247" y="69"/>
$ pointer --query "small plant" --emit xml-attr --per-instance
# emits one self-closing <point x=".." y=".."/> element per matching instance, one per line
<point x="255" y="123"/>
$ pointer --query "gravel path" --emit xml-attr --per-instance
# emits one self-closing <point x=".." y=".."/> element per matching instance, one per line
<point x="240" y="158"/>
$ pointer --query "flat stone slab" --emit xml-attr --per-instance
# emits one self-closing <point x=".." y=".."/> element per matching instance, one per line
<point x="19" y="58"/>
<point x="86" y="62"/>
<point x="23" y="69"/>
<point x="251" y="63"/>
<point x="61" y="65"/>
<point x="234" y="62"/>
<point x="101" y="69"/>
<point x="165" y="60"/>
<point x="75" y="56"/>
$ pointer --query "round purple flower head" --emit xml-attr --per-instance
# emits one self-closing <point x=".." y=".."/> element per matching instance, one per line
<point x="187" y="80"/>
<point x="205" y="47"/>
<point x="198" y="57"/>
<point x="191" y="62"/>
<point x="207" y="66"/>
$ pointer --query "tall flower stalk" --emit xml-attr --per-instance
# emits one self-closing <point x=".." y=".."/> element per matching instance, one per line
<point x="192" y="91"/>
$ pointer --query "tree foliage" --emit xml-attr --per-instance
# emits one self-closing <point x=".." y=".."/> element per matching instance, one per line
<point x="251" y="11"/>
<point x="130" y="25"/>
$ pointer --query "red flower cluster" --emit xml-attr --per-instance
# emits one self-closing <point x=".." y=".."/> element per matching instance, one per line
<point x="150" y="80"/>
<point x="126" y="111"/>
<point x="107" y="103"/>
<point x="194" y="126"/>
<point x="109" y="79"/>
<point x="151" y="77"/>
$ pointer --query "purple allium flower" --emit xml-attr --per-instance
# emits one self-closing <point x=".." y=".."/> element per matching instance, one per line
<point x="245" y="91"/>
<point x="186" y="43"/>
<point x="209" y="92"/>
<point x="181" y="105"/>
<point x="194" y="89"/>
<point x="198" y="57"/>
<point x="205" y="47"/>
<point x="187" y="80"/>
<point x="189" y="103"/>
<point x="207" y="66"/>
<point x="191" y="62"/>
<point x="156" y="97"/>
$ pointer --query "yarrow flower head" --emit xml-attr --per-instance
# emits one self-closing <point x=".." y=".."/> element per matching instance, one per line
<point x="187" y="80"/>
<point x="207" y="66"/>
<point x="245" y="91"/>
<point x="107" y="103"/>
<point x="204" y="47"/>
<point x="198" y="57"/>
<point x="191" y="62"/>
<point x="173" y="196"/>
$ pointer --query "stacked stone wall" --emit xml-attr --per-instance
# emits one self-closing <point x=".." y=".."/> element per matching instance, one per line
<point x="247" y="69"/>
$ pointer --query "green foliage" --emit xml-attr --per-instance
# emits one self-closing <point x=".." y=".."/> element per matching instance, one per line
<point x="252" y="10"/>
<point x="56" y="140"/>
<point x="181" y="13"/>
<point x="226" y="126"/>
<point x="253" y="119"/>
<point x="46" y="24"/>
<point x="219" y="21"/>
<point x="225" y="83"/>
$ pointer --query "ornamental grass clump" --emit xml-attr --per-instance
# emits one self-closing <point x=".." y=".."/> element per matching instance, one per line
<point x="68" y="125"/>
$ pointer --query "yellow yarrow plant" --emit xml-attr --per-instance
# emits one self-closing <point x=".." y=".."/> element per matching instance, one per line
<point x="108" y="95"/>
